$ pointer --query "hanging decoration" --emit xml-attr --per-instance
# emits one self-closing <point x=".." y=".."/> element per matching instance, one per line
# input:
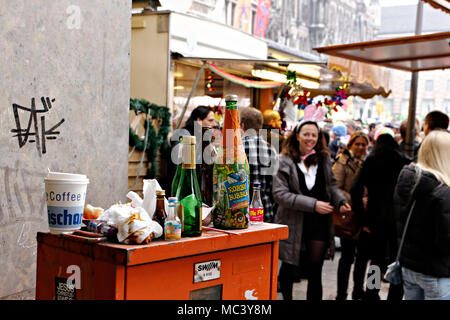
<point x="154" y="139"/>
<point x="316" y="111"/>
<point x="210" y="83"/>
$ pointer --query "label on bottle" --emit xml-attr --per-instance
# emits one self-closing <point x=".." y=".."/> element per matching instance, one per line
<point x="237" y="192"/>
<point x="172" y="230"/>
<point x="188" y="156"/>
<point x="256" y="214"/>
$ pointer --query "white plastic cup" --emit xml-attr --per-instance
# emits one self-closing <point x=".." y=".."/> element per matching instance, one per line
<point x="66" y="196"/>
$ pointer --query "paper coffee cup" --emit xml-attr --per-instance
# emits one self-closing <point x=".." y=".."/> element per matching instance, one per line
<point x="66" y="196"/>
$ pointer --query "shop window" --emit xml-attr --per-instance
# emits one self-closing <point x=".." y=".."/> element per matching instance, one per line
<point x="429" y="85"/>
<point x="388" y="106"/>
<point x="446" y="106"/>
<point x="404" y="108"/>
<point x="407" y="85"/>
<point x="427" y="106"/>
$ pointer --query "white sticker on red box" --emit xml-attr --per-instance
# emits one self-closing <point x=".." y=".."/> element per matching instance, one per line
<point x="205" y="271"/>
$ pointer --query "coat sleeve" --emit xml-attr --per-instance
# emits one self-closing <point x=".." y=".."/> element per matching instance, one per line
<point x="337" y="198"/>
<point x="357" y="193"/>
<point x="442" y="222"/>
<point x="283" y="195"/>
<point x="339" y="173"/>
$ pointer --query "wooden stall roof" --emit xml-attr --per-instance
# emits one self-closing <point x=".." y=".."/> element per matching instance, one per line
<point x="414" y="53"/>
<point x="443" y="5"/>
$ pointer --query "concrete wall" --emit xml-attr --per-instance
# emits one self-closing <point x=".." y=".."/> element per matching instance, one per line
<point x="76" y="53"/>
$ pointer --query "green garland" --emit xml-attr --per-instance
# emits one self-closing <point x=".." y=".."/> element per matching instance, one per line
<point x="155" y="141"/>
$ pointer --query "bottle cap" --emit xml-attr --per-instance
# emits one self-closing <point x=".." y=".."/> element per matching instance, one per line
<point x="256" y="184"/>
<point x="160" y="192"/>
<point x="188" y="140"/>
<point x="231" y="97"/>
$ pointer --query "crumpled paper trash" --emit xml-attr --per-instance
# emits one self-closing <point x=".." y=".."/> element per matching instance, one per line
<point x="149" y="193"/>
<point x="134" y="220"/>
<point x="134" y="225"/>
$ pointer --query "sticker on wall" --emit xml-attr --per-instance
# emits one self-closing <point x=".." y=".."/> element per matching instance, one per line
<point x="205" y="271"/>
<point x="64" y="291"/>
<point x="35" y="130"/>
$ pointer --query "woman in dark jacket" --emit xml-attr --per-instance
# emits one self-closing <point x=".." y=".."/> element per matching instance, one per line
<point x="201" y="116"/>
<point x="306" y="192"/>
<point x="379" y="175"/>
<point x="425" y="255"/>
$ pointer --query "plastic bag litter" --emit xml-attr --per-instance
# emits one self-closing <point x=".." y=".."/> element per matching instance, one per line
<point x="149" y="201"/>
<point x="134" y="224"/>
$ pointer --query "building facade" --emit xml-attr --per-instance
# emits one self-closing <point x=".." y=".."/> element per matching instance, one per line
<point x="293" y="28"/>
<point x="300" y="25"/>
<point x="433" y="91"/>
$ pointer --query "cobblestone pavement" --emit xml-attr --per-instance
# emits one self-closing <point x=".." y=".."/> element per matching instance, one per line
<point x="329" y="283"/>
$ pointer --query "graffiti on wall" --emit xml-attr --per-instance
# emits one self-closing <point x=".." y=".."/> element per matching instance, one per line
<point x="35" y="130"/>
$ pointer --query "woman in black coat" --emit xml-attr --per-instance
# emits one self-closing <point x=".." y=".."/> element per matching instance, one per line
<point x="425" y="255"/>
<point x="379" y="175"/>
<point x="201" y="116"/>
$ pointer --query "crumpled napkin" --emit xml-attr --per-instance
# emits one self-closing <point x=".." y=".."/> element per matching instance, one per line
<point x="149" y="193"/>
<point x="134" y="224"/>
<point x="134" y="220"/>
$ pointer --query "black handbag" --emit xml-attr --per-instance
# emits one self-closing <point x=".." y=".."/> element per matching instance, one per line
<point x="394" y="271"/>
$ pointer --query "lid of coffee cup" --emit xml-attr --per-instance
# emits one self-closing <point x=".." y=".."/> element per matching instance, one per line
<point x="66" y="176"/>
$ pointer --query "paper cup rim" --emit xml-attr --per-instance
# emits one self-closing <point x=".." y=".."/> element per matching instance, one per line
<point x="65" y="176"/>
<point x="65" y="181"/>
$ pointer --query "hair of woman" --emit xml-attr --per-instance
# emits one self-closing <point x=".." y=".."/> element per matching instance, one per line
<point x="355" y="135"/>
<point x="201" y="112"/>
<point x="434" y="155"/>
<point x="385" y="143"/>
<point x="291" y="146"/>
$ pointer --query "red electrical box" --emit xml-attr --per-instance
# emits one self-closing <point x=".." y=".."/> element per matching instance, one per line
<point x="217" y="265"/>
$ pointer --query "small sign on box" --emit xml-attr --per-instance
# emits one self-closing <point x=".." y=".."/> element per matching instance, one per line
<point x="205" y="271"/>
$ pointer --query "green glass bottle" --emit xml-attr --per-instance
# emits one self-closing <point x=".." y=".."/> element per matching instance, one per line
<point x="176" y="178"/>
<point x="188" y="191"/>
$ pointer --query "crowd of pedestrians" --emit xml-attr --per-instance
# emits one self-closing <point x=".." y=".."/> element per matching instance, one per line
<point x="365" y="170"/>
<point x="318" y="170"/>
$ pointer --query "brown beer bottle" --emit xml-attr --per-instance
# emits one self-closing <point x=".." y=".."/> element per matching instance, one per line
<point x="160" y="214"/>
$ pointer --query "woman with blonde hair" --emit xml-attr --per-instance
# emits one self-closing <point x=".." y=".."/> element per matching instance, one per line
<point x="425" y="255"/>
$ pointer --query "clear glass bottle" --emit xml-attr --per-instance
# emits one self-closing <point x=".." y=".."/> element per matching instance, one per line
<point x="188" y="192"/>
<point x="256" y="206"/>
<point x="172" y="226"/>
<point x="176" y="178"/>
